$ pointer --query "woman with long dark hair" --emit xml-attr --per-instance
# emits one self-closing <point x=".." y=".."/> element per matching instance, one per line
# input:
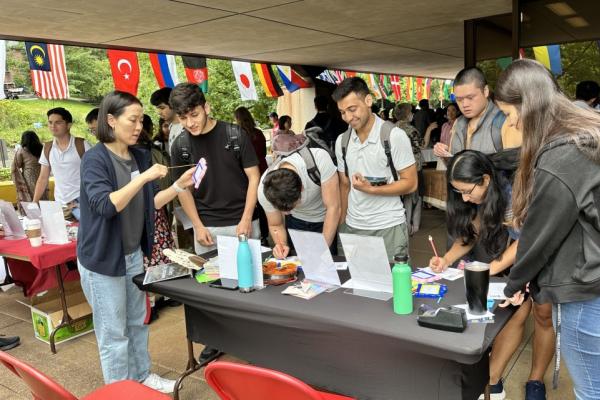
<point x="556" y="204"/>
<point x="26" y="167"/>
<point x="244" y="119"/>
<point x="480" y="217"/>
<point x="116" y="229"/>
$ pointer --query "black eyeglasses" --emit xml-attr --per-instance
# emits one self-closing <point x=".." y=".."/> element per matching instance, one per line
<point x="467" y="192"/>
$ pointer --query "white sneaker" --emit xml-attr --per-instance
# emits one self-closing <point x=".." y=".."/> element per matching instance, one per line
<point x="161" y="384"/>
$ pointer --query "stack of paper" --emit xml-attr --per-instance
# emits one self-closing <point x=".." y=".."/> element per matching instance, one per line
<point x="486" y="318"/>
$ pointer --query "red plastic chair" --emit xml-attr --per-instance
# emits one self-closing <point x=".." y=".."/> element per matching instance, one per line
<point x="43" y="387"/>
<point x="233" y="381"/>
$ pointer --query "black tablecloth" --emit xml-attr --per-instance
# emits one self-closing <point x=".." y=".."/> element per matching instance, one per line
<point x="340" y="342"/>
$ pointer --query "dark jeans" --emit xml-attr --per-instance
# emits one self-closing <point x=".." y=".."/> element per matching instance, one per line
<point x="300" y="225"/>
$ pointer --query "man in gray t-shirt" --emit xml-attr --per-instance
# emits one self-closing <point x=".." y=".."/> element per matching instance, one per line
<point x="287" y="192"/>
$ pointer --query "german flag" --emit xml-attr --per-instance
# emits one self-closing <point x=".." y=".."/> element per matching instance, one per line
<point x="268" y="80"/>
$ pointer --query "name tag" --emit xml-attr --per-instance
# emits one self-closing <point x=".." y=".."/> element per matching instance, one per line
<point x="134" y="174"/>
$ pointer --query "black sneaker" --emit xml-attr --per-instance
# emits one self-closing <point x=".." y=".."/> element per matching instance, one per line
<point x="496" y="391"/>
<point x="9" y="342"/>
<point x="535" y="390"/>
<point x="208" y="354"/>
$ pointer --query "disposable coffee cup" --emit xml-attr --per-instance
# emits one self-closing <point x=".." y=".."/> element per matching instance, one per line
<point x="477" y="283"/>
<point x="33" y="230"/>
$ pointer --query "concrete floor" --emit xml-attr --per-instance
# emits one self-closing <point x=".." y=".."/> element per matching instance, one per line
<point x="76" y="365"/>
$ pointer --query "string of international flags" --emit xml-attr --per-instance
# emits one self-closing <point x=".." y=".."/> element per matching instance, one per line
<point x="50" y="81"/>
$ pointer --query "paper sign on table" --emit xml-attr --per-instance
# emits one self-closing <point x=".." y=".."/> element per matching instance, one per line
<point x="368" y="263"/>
<point x="314" y="253"/>
<point x="496" y="291"/>
<point x="53" y="222"/>
<point x="10" y="221"/>
<point x="227" y="248"/>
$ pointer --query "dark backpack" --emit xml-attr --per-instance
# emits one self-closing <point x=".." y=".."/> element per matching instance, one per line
<point x="315" y="141"/>
<point x="307" y="156"/>
<point x="183" y="146"/>
<point x="384" y="138"/>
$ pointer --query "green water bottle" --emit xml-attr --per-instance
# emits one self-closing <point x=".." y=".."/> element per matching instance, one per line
<point x="402" y="285"/>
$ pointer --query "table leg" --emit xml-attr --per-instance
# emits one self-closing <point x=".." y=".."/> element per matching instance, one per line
<point x="66" y="318"/>
<point x="192" y="366"/>
<point x="7" y="279"/>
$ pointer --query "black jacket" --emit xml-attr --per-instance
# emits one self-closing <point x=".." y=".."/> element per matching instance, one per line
<point x="559" y="246"/>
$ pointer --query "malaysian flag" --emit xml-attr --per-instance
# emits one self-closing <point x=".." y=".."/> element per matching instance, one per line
<point x="48" y="72"/>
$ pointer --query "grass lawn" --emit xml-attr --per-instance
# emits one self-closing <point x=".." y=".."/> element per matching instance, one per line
<point x="17" y="116"/>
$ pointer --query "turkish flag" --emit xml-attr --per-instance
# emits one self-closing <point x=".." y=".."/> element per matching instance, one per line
<point x="125" y="70"/>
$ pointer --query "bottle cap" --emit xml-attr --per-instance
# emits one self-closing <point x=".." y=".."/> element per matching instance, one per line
<point x="242" y="237"/>
<point x="401" y="258"/>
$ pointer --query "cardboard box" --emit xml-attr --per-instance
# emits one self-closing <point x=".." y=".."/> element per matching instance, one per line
<point x="46" y="314"/>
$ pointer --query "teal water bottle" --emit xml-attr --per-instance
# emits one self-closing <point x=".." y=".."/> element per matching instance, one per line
<point x="244" y="265"/>
<point x="402" y="285"/>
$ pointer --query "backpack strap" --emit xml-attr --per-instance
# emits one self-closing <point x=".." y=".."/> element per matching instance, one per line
<point x="311" y="165"/>
<point x="345" y="141"/>
<point x="497" y="124"/>
<point x="47" y="148"/>
<point x="384" y="137"/>
<point x="233" y="141"/>
<point x="182" y="144"/>
<point x="80" y="146"/>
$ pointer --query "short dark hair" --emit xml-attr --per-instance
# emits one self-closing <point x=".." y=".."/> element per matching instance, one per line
<point x="424" y="104"/>
<point x="114" y="103"/>
<point x="587" y="90"/>
<point x="92" y="116"/>
<point x="350" y="85"/>
<point x="273" y="115"/>
<point x="185" y="97"/>
<point x="64" y="113"/>
<point x="283" y="119"/>
<point x="283" y="188"/>
<point x="471" y="75"/>
<point x="160" y="96"/>
<point x="321" y="103"/>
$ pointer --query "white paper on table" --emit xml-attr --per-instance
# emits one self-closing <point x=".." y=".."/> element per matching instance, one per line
<point x="450" y="274"/>
<point x="10" y="221"/>
<point x="368" y="262"/>
<point x="227" y="249"/>
<point x="53" y="222"/>
<point x="182" y="217"/>
<point x="471" y="317"/>
<point x="315" y="256"/>
<point x="496" y="291"/>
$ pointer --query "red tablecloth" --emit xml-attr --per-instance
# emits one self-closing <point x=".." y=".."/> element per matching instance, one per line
<point x="38" y="274"/>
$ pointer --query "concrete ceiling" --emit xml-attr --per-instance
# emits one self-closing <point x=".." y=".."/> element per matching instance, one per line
<point x="422" y="38"/>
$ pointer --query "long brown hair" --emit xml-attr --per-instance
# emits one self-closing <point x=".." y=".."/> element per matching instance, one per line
<point x="245" y="120"/>
<point x="545" y="114"/>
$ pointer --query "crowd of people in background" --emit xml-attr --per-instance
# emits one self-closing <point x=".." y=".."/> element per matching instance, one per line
<point x="523" y="176"/>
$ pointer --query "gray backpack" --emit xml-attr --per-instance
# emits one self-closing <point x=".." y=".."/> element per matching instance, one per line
<point x="384" y="138"/>
<point x="307" y="156"/>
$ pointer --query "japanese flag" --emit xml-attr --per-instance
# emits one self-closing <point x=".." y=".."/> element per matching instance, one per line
<point x="243" y="76"/>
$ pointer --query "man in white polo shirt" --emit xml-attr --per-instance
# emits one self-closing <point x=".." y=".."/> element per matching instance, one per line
<point x="286" y="191"/>
<point x="373" y="210"/>
<point x="62" y="157"/>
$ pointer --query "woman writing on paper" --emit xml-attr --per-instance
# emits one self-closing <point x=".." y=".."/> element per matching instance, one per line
<point x="479" y="215"/>
<point x="116" y="228"/>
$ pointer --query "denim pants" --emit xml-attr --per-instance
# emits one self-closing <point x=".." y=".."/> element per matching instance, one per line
<point x="119" y="309"/>
<point x="580" y="345"/>
<point x="75" y="211"/>
<point x="292" y="222"/>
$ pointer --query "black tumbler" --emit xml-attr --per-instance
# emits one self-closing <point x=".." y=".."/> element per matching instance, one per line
<point x="477" y="283"/>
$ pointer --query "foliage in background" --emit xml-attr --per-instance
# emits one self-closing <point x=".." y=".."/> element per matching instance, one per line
<point x="580" y="62"/>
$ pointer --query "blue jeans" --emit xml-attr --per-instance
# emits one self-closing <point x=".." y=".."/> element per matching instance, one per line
<point x="580" y="345"/>
<point x="75" y="210"/>
<point x="119" y="309"/>
<point x="292" y="222"/>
